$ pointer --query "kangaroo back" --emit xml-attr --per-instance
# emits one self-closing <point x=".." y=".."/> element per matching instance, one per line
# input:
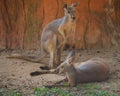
<point x="93" y="70"/>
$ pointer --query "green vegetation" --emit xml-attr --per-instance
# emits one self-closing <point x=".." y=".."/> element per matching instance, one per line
<point x="52" y="92"/>
<point x="85" y="90"/>
<point x="9" y="92"/>
<point x="99" y="93"/>
<point x="90" y="86"/>
<point x="95" y="90"/>
<point x="81" y="90"/>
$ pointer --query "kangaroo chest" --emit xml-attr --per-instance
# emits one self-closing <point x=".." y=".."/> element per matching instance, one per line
<point x="69" y="27"/>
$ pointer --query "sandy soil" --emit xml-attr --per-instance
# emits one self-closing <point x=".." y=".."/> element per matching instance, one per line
<point x="15" y="73"/>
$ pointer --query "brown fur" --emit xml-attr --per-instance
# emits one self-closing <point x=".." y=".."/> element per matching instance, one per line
<point x="93" y="70"/>
<point x="53" y="38"/>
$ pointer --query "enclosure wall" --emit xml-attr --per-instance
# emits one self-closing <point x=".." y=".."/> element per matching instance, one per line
<point x="22" y="21"/>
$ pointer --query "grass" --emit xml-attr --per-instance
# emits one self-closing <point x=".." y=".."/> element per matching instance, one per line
<point x="85" y="90"/>
<point x="52" y="92"/>
<point x="81" y="90"/>
<point x="95" y="90"/>
<point x="90" y="86"/>
<point x="8" y="92"/>
<point x="99" y="93"/>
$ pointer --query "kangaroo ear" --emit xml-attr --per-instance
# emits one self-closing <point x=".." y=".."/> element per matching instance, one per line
<point x="75" y="4"/>
<point x="65" y="6"/>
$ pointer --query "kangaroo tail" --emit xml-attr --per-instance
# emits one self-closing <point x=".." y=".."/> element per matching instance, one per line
<point x="35" y="59"/>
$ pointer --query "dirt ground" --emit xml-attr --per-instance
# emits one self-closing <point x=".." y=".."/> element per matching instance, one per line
<point x="15" y="73"/>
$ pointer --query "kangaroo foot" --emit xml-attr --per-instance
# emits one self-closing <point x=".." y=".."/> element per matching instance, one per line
<point x="36" y="73"/>
<point x="44" y="68"/>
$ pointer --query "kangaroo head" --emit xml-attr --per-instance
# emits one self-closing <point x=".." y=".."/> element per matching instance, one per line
<point x="70" y="10"/>
<point x="70" y="58"/>
<point x="67" y="65"/>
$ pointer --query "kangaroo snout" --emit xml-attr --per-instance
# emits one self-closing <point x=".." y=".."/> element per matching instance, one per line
<point x="73" y="18"/>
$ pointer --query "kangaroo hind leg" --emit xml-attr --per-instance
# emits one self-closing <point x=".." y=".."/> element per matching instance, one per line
<point x="52" y="49"/>
<point x="58" y="53"/>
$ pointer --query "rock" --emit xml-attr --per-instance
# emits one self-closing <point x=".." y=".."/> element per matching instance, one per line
<point x="22" y="21"/>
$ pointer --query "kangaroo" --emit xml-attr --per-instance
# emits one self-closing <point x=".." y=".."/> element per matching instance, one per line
<point x="54" y="38"/>
<point x="93" y="70"/>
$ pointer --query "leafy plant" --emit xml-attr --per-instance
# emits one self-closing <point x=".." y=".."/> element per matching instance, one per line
<point x="52" y="92"/>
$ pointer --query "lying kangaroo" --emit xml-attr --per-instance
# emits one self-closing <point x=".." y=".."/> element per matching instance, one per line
<point x="93" y="70"/>
<point x="53" y="38"/>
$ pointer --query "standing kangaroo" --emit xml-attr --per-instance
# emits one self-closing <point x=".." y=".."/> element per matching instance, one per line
<point x="93" y="70"/>
<point x="54" y="38"/>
